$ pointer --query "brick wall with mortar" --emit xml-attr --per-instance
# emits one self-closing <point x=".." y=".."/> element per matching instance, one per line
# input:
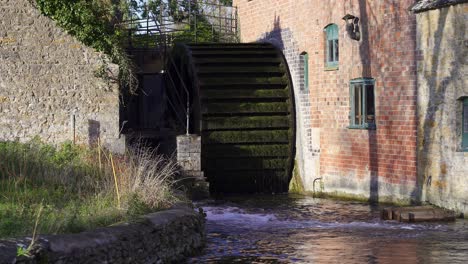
<point x="381" y="163"/>
<point x="442" y="83"/>
<point x="47" y="76"/>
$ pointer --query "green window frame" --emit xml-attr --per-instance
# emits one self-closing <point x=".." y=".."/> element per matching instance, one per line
<point x="362" y="102"/>
<point x="332" y="53"/>
<point x="304" y="71"/>
<point x="465" y="125"/>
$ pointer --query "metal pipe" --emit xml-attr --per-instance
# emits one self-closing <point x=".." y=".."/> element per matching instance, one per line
<point x="73" y="127"/>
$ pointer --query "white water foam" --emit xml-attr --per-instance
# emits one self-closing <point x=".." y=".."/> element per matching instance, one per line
<point x="241" y="218"/>
<point x="237" y="215"/>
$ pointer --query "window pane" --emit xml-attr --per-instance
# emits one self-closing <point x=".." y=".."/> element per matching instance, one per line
<point x="370" y="107"/>
<point x="332" y="50"/>
<point x="465" y="118"/>
<point x="465" y="125"/>
<point x="358" y="104"/>
<point x="333" y="31"/>
<point x="335" y="46"/>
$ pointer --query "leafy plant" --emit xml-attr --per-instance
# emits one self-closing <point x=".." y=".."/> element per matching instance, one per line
<point x="22" y="252"/>
<point x="94" y="22"/>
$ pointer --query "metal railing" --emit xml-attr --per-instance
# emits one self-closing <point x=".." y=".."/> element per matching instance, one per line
<point x="162" y="26"/>
<point x="163" y="52"/>
<point x="173" y="23"/>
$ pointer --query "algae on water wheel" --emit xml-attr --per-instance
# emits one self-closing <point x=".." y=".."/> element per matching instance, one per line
<point x="242" y="103"/>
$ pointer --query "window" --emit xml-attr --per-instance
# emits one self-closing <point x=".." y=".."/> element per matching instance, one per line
<point x="332" y="49"/>
<point x="304" y="71"/>
<point x="362" y="101"/>
<point x="465" y="125"/>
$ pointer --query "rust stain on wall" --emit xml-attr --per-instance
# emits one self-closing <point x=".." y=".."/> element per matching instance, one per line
<point x="6" y="41"/>
<point x="443" y="169"/>
<point x="440" y="184"/>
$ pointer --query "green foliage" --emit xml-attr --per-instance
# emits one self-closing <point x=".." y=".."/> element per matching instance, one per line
<point x="202" y="33"/>
<point x="22" y="252"/>
<point x="93" y="22"/>
<point x="226" y="2"/>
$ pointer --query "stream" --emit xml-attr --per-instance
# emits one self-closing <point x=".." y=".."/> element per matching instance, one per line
<point x="301" y="229"/>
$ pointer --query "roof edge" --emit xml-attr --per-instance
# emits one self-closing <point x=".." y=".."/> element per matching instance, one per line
<point x="426" y="5"/>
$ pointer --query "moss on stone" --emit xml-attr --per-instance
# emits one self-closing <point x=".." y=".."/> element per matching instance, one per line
<point x="296" y="185"/>
<point x="235" y="52"/>
<point x="247" y="163"/>
<point x="243" y="80"/>
<point x="234" y="60"/>
<point x="217" y="151"/>
<point x="240" y="69"/>
<point x="245" y="93"/>
<point x="212" y="108"/>
<point x="260" y="136"/>
<point x="212" y="123"/>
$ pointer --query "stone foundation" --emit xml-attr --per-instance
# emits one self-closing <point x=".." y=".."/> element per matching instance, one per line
<point x="189" y="159"/>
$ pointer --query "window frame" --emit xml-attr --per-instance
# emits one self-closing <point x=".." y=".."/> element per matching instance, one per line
<point x="304" y="71"/>
<point x="464" y="130"/>
<point x="332" y="52"/>
<point x="364" y="82"/>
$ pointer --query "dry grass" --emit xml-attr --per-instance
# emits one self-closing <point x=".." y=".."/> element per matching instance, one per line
<point x="79" y="188"/>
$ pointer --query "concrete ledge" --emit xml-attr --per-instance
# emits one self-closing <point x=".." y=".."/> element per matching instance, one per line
<point x="418" y="214"/>
<point x="161" y="237"/>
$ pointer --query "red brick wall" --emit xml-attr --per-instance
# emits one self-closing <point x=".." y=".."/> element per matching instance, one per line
<point x="386" y="53"/>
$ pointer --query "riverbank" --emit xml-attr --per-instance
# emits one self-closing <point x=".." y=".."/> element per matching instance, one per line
<point x="161" y="237"/>
<point x="70" y="189"/>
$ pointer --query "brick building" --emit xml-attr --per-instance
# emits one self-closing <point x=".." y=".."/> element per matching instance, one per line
<point x="354" y="68"/>
<point x="358" y="68"/>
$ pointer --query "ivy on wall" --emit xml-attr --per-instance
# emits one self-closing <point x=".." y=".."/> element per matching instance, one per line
<point x="93" y="22"/>
<point x="96" y="24"/>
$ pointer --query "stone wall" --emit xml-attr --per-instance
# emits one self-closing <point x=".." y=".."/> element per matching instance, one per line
<point x="442" y="84"/>
<point x="378" y="164"/>
<point x="49" y="86"/>
<point x="189" y="159"/>
<point x="162" y="237"/>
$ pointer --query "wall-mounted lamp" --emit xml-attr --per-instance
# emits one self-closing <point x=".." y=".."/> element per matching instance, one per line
<point x="352" y="26"/>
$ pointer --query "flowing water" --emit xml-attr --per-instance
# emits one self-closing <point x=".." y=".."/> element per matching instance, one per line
<point x="297" y="229"/>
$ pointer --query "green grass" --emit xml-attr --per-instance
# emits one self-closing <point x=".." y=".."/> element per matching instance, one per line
<point x="76" y="191"/>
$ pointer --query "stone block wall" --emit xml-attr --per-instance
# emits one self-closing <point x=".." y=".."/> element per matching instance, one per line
<point x="442" y="84"/>
<point x="162" y="237"/>
<point x="189" y="155"/>
<point x="49" y="85"/>
<point x="189" y="159"/>
<point x="379" y="164"/>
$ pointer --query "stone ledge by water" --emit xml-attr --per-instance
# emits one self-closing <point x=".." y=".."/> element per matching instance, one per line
<point x="160" y="237"/>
